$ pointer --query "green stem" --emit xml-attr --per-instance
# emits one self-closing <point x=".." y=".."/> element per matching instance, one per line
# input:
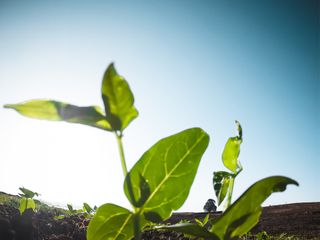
<point x="136" y="216"/>
<point x="231" y="187"/>
<point x="230" y="192"/>
<point x="136" y="223"/>
<point x="121" y="151"/>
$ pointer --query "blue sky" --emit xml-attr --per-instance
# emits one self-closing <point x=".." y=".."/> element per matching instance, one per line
<point x="189" y="63"/>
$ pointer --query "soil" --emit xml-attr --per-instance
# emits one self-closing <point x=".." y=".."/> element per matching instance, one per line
<point x="298" y="219"/>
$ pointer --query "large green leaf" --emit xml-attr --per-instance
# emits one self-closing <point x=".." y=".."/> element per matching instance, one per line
<point x="244" y="213"/>
<point x="169" y="168"/>
<point x="59" y="111"/>
<point x="111" y="222"/>
<point x="118" y="99"/>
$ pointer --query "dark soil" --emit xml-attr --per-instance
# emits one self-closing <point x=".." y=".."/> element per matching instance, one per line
<point x="299" y="219"/>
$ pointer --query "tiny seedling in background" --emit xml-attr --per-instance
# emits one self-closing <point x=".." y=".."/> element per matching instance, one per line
<point x="26" y="200"/>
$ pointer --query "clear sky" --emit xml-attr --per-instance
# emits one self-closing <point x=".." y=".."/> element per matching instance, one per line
<point x="189" y="64"/>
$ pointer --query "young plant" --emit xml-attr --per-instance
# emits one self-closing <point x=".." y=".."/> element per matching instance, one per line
<point x="151" y="185"/>
<point x="244" y="213"/>
<point x="26" y="200"/>
<point x="223" y="182"/>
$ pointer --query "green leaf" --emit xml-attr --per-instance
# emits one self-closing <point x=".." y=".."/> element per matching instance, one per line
<point x="27" y="193"/>
<point x="118" y="99"/>
<point x="87" y="208"/>
<point x="239" y="129"/>
<point x="190" y="229"/>
<point x="26" y="203"/>
<point x="111" y="222"/>
<point x="231" y="153"/>
<point x="244" y="213"/>
<point x="144" y="190"/>
<point x="221" y="183"/>
<point x="169" y="168"/>
<point x="70" y="208"/>
<point x="232" y="150"/>
<point x="59" y="111"/>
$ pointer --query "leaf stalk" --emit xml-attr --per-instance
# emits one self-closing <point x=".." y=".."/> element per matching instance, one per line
<point x="121" y="152"/>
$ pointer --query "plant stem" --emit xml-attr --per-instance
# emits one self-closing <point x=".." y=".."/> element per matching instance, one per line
<point x="121" y="151"/>
<point x="231" y="187"/>
<point x="136" y="216"/>
<point x="230" y="192"/>
<point x="136" y="225"/>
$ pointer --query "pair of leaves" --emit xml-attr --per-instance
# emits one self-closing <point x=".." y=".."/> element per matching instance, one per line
<point x="242" y="215"/>
<point x="118" y="103"/>
<point x="27" y="193"/>
<point x="160" y="183"/>
<point x="26" y="203"/>
<point x="223" y="181"/>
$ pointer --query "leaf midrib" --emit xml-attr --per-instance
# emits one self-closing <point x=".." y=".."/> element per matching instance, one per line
<point x="170" y="173"/>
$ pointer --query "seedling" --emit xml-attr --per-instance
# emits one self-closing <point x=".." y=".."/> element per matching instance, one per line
<point x="87" y="211"/>
<point x="223" y="182"/>
<point x="151" y="185"/>
<point x="26" y="200"/>
<point x="204" y="221"/>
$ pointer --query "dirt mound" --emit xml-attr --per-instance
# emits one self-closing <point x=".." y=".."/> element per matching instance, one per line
<point x="299" y="219"/>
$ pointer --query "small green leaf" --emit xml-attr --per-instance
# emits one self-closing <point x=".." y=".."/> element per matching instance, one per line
<point x="70" y="208"/>
<point x="118" y="99"/>
<point x="87" y="208"/>
<point x="232" y="150"/>
<point x="169" y="168"/>
<point x="144" y="190"/>
<point x="111" y="222"/>
<point x="231" y="153"/>
<point x="239" y="128"/>
<point x="27" y="193"/>
<point x="221" y="182"/>
<point x="26" y="203"/>
<point x="190" y="229"/>
<point x="244" y="213"/>
<point x="59" y="111"/>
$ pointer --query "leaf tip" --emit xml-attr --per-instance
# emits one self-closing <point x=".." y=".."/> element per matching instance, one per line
<point x="8" y="106"/>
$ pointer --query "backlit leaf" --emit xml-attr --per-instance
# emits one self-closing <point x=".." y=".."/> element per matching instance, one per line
<point x="244" y="213"/>
<point x="111" y="222"/>
<point x="60" y="111"/>
<point x="26" y="203"/>
<point x="118" y="99"/>
<point x="231" y="151"/>
<point x="169" y="168"/>
<point x="221" y="182"/>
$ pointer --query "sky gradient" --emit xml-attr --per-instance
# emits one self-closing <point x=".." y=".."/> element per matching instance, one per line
<point x="189" y="64"/>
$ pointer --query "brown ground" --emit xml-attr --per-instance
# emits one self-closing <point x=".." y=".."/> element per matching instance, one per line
<point x="299" y="219"/>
